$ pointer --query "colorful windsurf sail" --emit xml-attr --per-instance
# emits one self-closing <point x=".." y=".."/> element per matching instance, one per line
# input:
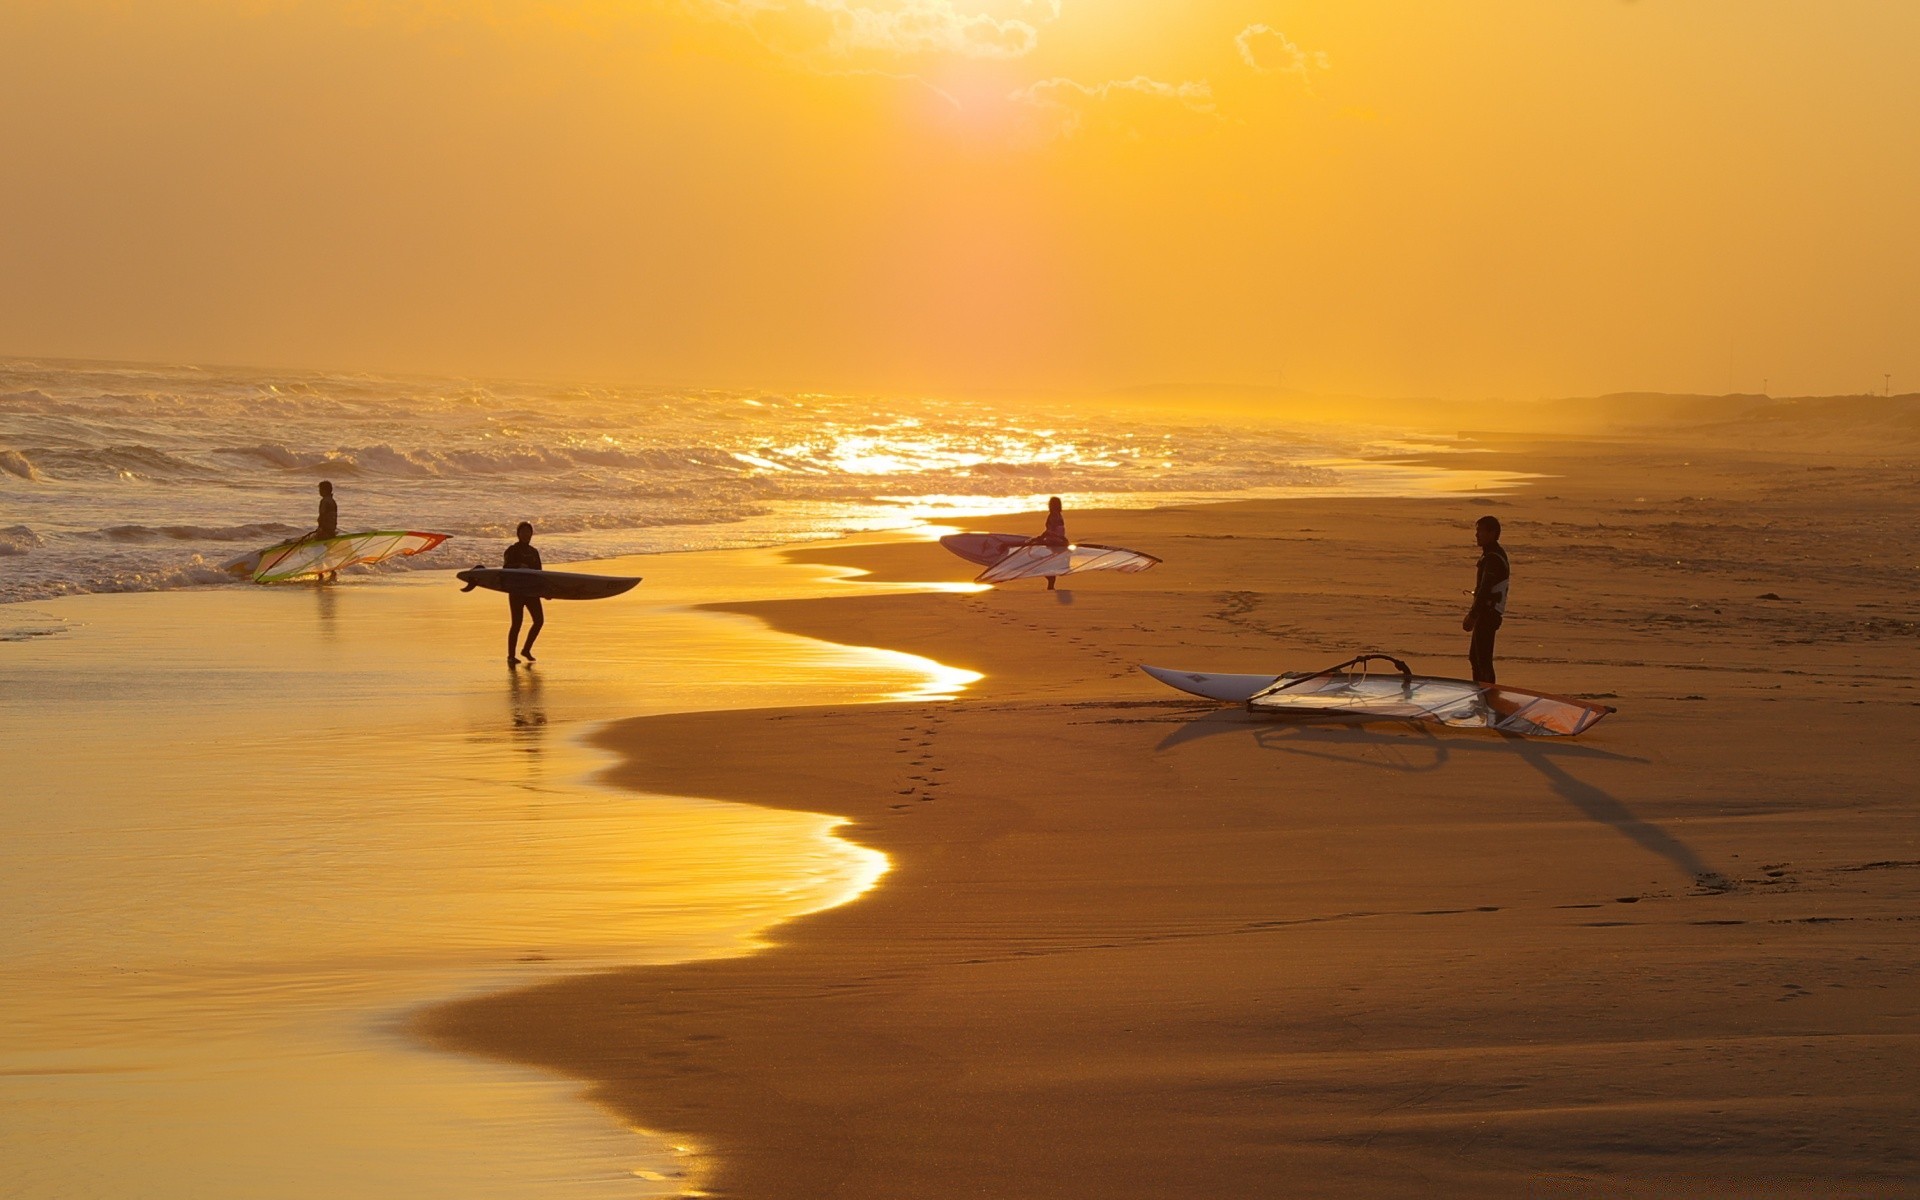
<point x="1037" y="562"/>
<point x="1350" y="690"/>
<point x="318" y="556"/>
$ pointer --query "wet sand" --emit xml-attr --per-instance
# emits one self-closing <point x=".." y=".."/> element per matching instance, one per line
<point x="1135" y="945"/>
<point x="244" y="832"/>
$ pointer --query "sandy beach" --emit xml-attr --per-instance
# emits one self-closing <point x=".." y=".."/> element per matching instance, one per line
<point x="1136" y="945"/>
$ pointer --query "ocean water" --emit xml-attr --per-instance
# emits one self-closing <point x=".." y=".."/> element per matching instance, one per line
<point x="140" y="478"/>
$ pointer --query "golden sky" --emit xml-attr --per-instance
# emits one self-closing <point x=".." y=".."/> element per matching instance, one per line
<point x="1385" y="197"/>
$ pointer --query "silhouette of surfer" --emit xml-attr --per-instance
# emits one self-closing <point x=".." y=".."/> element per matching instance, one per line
<point x="1055" y="536"/>
<point x="328" y="524"/>
<point x="1489" y="608"/>
<point x="523" y="556"/>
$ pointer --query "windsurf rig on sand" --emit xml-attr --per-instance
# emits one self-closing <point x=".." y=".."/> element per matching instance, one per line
<point x="1349" y="690"/>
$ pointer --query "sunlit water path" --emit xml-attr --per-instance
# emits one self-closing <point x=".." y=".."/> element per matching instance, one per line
<point x="245" y="832"/>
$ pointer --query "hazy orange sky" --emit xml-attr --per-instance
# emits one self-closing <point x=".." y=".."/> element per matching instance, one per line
<point x="1506" y="197"/>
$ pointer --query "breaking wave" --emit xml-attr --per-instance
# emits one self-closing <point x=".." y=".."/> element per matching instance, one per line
<point x="18" y="465"/>
<point x="266" y="533"/>
<point x="130" y="478"/>
<point x="17" y="540"/>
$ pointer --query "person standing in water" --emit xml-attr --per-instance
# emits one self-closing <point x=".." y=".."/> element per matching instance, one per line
<point x="1055" y="536"/>
<point x="1489" y="607"/>
<point x="523" y="556"/>
<point x="328" y="524"/>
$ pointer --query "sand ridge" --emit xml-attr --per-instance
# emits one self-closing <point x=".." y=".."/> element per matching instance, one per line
<point x="1134" y="945"/>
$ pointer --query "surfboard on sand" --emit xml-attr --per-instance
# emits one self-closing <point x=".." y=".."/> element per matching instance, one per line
<point x="1234" y="689"/>
<point x="546" y="585"/>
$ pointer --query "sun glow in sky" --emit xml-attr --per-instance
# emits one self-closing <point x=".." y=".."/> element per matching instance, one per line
<point x="1377" y="196"/>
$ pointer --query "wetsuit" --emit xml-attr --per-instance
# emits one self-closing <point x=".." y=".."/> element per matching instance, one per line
<point x="329" y="518"/>
<point x="1056" y="534"/>
<point x="1490" y="582"/>
<point x="522" y="555"/>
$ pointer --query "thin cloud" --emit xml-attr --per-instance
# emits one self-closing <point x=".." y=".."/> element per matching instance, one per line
<point x="845" y="29"/>
<point x="1125" y="105"/>
<point x="1270" y="52"/>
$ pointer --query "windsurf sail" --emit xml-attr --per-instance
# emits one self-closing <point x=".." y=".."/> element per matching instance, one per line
<point x="1351" y="690"/>
<point x="317" y="556"/>
<point x="983" y="548"/>
<point x="1035" y="562"/>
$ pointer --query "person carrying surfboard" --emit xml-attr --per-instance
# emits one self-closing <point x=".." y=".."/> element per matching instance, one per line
<point x="1055" y="535"/>
<point x="1489" y="607"/>
<point x="523" y="556"/>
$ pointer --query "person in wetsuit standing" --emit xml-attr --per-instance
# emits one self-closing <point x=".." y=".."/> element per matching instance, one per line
<point x="1055" y="535"/>
<point x="1489" y="607"/>
<point x="328" y="524"/>
<point x="523" y="556"/>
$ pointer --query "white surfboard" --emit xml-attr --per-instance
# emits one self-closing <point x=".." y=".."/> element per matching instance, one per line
<point x="1236" y="689"/>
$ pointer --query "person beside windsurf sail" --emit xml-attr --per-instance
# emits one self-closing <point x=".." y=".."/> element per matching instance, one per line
<point x="1492" y="577"/>
<point x="524" y="557"/>
<point x="1054" y="537"/>
<point x="328" y="524"/>
<point x="1048" y="555"/>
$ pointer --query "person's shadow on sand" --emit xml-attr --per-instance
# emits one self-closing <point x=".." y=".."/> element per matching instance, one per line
<point x="1360" y="746"/>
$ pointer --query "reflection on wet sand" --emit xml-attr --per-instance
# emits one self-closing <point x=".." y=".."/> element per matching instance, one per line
<point x="244" y="867"/>
<point x="529" y="716"/>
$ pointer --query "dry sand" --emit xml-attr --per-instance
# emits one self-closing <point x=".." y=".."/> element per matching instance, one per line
<point x="1134" y="945"/>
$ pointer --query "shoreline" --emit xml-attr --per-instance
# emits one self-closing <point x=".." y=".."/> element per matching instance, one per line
<point x="778" y="524"/>
<point x="247" y="830"/>
<point x="1108" y="963"/>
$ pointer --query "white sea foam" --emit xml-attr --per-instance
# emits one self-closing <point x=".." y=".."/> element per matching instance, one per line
<point x="116" y="478"/>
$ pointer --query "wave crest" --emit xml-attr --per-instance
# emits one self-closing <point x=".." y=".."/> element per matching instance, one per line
<point x="17" y="540"/>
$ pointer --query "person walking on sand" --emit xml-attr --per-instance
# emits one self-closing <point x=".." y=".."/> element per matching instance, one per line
<point x="1489" y="607"/>
<point x="1055" y="535"/>
<point x="523" y="556"/>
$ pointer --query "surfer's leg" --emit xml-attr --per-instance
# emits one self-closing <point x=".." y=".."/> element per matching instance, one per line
<point x="1049" y="583"/>
<point x="533" y="631"/>
<point x="1480" y="651"/>
<point x="515" y="605"/>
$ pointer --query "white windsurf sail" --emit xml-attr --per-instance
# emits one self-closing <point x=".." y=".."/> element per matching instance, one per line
<point x="1350" y="690"/>
<point x="1037" y="562"/>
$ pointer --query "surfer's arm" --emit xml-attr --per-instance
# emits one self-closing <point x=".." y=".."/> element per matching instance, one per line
<point x="1484" y="581"/>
